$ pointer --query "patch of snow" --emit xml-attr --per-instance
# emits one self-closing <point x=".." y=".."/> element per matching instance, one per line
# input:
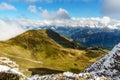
<point x="68" y="76"/>
<point x="108" y="66"/>
<point x="7" y="69"/>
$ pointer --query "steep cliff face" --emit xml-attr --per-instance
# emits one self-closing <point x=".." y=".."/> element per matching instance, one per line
<point x="108" y="66"/>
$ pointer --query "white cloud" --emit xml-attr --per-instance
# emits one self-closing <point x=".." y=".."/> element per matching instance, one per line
<point x="12" y="27"/>
<point x="5" y="6"/>
<point x="111" y="8"/>
<point x="9" y="29"/>
<point x="60" y="14"/>
<point x="32" y="8"/>
<point x="105" y="20"/>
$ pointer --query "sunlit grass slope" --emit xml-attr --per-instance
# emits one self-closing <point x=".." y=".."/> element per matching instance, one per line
<point x="48" y="49"/>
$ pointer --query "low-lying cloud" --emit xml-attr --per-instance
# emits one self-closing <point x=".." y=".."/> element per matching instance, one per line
<point x="12" y="27"/>
<point x="9" y="28"/>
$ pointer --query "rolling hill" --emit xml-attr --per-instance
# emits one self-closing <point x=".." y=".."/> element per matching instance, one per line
<point x="48" y="49"/>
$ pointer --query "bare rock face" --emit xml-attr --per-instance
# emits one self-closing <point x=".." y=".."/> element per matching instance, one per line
<point x="108" y="66"/>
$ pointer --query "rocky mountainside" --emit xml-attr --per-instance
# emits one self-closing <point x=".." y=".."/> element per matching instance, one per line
<point x="9" y="70"/>
<point x="108" y="66"/>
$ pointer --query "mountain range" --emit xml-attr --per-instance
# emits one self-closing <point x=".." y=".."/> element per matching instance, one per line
<point x="104" y="37"/>
<point x="87" y="31"/>
<point x="45" y="51"/>
<point x="48" y="49"/>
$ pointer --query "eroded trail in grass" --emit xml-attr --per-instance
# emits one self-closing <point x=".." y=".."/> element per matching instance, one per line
<point x="40" y="62"/>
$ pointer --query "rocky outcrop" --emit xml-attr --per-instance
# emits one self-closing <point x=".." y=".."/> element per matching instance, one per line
<point x="68" y="76"/>
<point x="9" y="70"/>
<point x="108" y="66"/>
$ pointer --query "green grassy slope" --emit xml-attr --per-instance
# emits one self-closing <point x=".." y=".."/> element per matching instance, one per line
<point x="48" y="49"/>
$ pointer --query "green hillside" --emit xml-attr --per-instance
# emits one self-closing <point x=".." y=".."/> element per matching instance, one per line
<point x="48" y="49"/>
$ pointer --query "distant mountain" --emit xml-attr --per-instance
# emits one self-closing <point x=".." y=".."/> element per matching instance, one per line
<point x="108" y="66"/>
<point x="87" y="31"/>
<point x="106" y="38"/>
<point x="103" y="37"/>
<point x="89" y="36"/>
<point x="48" y="49"/>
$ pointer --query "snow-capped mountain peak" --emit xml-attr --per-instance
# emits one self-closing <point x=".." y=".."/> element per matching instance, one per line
<point x="108" y="66"/>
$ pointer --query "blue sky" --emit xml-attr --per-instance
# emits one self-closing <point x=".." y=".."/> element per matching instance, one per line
<point x="17" y="15"/>
<point x="75" y="8"/>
